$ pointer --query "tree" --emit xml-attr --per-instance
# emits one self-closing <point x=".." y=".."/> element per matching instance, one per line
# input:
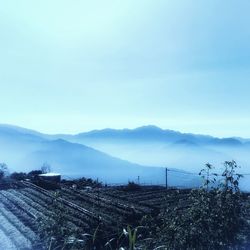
<point x="3" y="170"/>
<point x="18" y="176"/>
<point x="46" y="168"/>
<point x="33" y="175"/>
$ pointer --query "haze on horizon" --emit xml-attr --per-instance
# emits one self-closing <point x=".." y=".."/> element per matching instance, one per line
<point x="73" y="66"/>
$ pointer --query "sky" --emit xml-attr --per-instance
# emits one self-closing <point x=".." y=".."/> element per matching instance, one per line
<point x="70" y="66"/>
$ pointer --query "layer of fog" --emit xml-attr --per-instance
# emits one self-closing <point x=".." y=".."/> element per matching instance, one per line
<point x="181" y="155"/>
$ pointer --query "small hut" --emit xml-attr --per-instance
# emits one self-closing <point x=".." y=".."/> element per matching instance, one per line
<point x="49" y="180"/>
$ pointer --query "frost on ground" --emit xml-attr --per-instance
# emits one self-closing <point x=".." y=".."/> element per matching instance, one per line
<point x="6" y="243"/>
<point x="10" y="237"/>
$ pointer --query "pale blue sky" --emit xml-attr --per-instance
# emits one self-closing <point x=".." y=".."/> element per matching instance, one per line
<point x="71" y="66"/>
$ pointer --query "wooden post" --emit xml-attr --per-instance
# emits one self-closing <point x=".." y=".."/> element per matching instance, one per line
<point x="166" y="178"/>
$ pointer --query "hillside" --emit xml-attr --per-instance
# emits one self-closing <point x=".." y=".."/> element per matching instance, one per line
<point x="25" y="150"/>
<point x="150" y="145"/>
<point x="120" y="155"/>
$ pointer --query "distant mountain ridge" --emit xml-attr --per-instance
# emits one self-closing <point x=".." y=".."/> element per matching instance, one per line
<point x="149" y="132"/>
<point x="115" y="155"/>
<point x="26" y="150"/>
<point x="154" y="134"/>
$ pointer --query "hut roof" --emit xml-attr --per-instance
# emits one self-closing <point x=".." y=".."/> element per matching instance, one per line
<point x="50" y="174"/>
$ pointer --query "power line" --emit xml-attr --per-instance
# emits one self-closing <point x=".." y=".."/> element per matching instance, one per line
<point x="190" y="173"/>
<point x="182" y="172"/>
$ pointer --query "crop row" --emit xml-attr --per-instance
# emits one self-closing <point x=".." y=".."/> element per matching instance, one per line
<point x="154" y="199"/>
<point x="46" y="202"/>
<point x="109" y="208"/>
<point x="14" y="230"/>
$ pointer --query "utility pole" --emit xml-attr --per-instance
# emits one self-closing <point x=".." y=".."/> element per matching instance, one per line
<point x="166" y="178"/>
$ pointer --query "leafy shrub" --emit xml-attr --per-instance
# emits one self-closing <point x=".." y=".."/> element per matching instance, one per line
<point x="213" y="219"/>
<point x="132" y="186"/>
<point x="3" y="170"/>
<point x="18" y="176"/>
<point x="33" y="175"/>
<point x="82" y="183"/>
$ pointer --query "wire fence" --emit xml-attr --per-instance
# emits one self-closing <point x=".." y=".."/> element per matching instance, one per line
<point x="172" y="178"/>
<point x="197" y="174"/>
<point x="169" y="179"/>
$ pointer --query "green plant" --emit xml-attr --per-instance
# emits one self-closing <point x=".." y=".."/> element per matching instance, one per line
<point x="213" y="217"/>
<point x="126" y="240"/>
<point x="131" y="186"/>
<point x="18" y="176"/>
<point x="131" y="234"/>
<point x="33" y="175"/>
<point x="3" y="170"/>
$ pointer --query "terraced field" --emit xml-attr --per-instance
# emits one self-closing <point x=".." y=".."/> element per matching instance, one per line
<point x="24" y="205"/>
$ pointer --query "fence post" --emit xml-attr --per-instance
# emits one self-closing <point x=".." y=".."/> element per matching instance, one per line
<point x="166" y="178"/>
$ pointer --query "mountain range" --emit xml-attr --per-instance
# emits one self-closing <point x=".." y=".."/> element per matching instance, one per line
<point x="120" y="155"/>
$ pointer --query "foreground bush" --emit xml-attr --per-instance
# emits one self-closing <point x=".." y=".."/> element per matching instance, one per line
<point x="213" y="217"/>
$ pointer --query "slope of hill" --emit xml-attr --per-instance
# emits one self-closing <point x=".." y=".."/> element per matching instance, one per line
<point x="150" y="145"/>
<point x="25" y="150"/>
<point x="98" y="153"/>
